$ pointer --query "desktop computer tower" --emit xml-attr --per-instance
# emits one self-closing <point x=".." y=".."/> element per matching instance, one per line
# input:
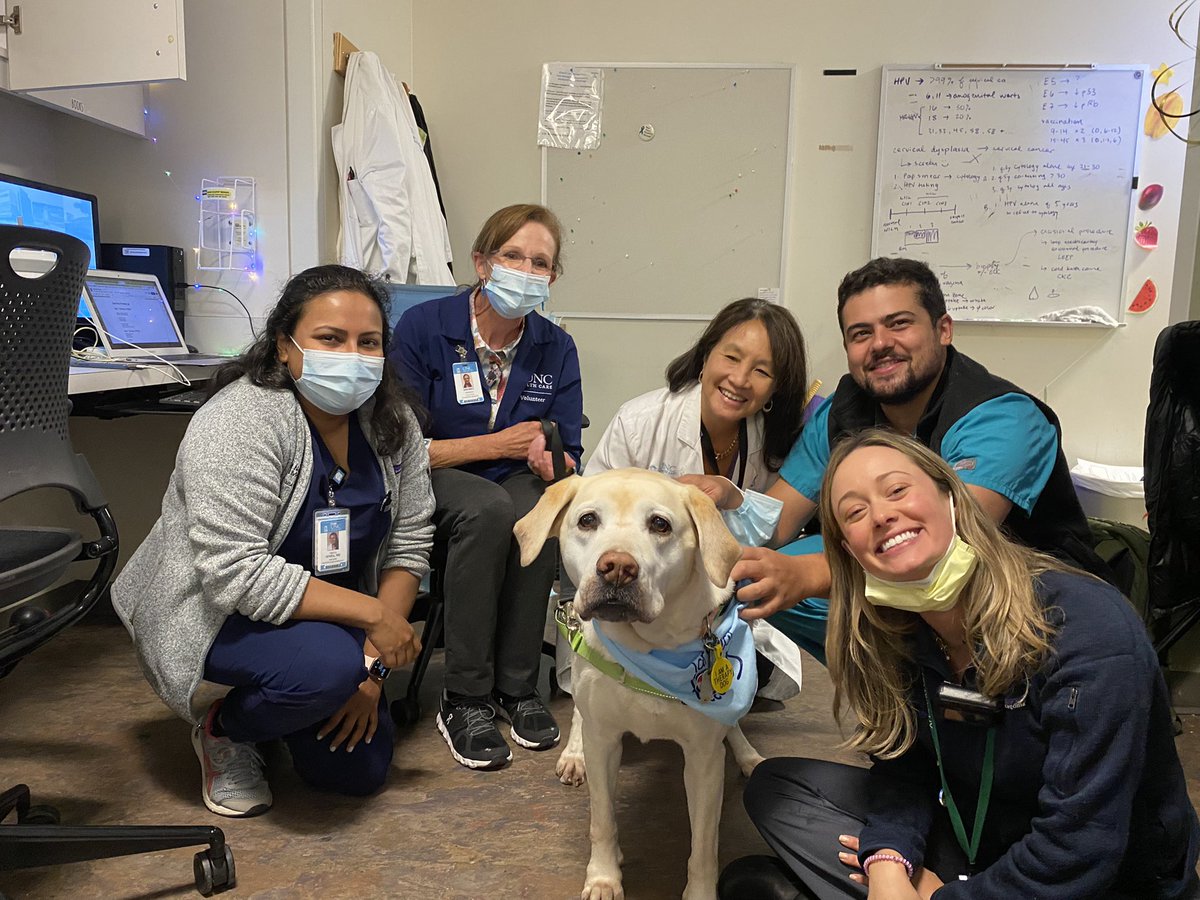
<point x="151" y="259"/>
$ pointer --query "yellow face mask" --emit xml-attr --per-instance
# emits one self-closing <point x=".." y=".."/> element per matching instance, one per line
<point x="936" y="592"/>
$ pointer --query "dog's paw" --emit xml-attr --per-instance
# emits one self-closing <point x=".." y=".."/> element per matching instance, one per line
<point x="570" y="768"/>
<point x="602" y="889"/>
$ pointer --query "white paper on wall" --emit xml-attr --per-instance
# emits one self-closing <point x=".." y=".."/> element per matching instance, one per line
<point x="572" y="100"/>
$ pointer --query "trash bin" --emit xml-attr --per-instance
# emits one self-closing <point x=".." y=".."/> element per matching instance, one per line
<point x="1111" y="492"/>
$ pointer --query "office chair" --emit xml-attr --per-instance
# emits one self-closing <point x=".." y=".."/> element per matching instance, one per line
<point x="406" y="710"/>
<point x="1172" y="479"/>
<point x="37" y="318"/>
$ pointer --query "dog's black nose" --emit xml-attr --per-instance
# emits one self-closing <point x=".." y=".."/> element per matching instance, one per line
<point x="617" y="568"/>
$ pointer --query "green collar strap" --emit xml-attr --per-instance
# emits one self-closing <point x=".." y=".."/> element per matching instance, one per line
<point x="571" y="628"/>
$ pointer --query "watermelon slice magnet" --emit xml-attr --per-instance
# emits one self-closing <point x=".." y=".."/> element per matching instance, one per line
<point x="1145" y="297"/>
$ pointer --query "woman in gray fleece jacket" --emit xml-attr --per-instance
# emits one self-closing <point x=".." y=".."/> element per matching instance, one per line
<point x="308" y="434"/>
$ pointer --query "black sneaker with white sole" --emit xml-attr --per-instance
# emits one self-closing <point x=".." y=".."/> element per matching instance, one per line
<point x="532" y="724"/>
<point x="469" y="728"/>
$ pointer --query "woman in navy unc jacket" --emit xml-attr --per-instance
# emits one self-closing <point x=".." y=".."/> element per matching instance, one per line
<point x="488" y="368"/>
<point x="1015" y="711"/>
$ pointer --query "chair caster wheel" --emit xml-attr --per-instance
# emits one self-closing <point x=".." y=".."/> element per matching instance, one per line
<point x="214" y="871"/>
<point x="41" y="814"/>
<point x="406" y="711"/>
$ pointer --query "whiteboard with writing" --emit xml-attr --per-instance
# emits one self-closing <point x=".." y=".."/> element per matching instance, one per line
<point x="1016" y="185"/>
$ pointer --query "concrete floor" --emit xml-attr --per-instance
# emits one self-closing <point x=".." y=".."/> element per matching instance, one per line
<point x="82" y="728"/>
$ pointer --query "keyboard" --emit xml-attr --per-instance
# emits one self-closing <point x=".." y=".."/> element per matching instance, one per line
<point x="186" y="400"/>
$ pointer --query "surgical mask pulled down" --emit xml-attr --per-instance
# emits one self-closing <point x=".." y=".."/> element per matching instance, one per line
<point x="336" y="382"/>
<point x="936" y="592"/>
<point x="513" y="293"/>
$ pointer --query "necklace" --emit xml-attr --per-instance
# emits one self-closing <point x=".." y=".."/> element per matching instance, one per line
<point x="724" y="453"/>
<point x="942" y="645"/>
<point x="946" y="649"/>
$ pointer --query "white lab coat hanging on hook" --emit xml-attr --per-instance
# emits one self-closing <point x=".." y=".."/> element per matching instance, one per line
<point x="391" y="224"/>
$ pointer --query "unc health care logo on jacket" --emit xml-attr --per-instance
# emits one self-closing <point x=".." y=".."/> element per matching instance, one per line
<point x="538" y="389"/>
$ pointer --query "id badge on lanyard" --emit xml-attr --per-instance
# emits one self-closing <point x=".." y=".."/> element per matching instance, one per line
<point x="331" y="532"/>
<point x="468" y="386"/>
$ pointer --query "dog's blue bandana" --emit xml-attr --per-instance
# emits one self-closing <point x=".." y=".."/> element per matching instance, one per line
<point x="685" y="671"/>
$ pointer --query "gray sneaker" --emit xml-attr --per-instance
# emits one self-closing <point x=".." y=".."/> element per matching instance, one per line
<point x="468" y="726"/>
<point x="532" y="724"/>
<point x="233" y="783"/>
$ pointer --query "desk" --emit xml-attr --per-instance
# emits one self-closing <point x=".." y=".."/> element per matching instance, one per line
<point x="109" y="393"/>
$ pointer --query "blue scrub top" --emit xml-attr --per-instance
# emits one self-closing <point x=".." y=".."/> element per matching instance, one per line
<point x="544" y="383"/>
<point x="1004" y="444"/>
<point x="363" y="493"/>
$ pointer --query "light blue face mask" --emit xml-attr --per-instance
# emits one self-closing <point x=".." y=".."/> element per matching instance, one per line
<point x="682" y="670"/>
<point x="513" y="293"/>
<point x="338" y="383"/>
<point x="753" y="523"/>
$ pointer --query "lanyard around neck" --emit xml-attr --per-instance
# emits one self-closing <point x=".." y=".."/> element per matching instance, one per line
<point x="971" y="848"/>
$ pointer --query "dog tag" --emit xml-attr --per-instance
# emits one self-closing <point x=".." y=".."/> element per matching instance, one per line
<point x="721" y="671"/>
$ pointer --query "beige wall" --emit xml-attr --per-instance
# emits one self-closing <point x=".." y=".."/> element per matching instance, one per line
<point x="27" y="145"/>
<point x="477" y="69"/>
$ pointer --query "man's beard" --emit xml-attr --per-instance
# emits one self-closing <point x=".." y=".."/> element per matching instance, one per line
<point x="907" y="389"/>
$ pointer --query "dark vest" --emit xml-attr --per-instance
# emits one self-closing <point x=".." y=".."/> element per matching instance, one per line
<point x="1056" y="525"/>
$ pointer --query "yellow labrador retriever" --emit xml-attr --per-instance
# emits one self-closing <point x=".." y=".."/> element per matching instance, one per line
<point x="651" y="558"/>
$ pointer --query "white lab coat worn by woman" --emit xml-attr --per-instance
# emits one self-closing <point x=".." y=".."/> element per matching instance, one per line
<point x="391" y="224"/>
<point x="660" y="431"/>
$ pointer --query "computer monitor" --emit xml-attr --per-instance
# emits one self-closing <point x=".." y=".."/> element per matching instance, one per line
<point x="37" y="205"/>
<point x="405" y="296"/>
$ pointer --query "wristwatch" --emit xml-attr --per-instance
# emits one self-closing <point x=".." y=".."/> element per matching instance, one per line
<point x="378" y="672"/>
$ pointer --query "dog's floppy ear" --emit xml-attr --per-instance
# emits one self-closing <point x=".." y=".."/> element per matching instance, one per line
<point x="543" y="521"/>
<point x="718" y="549"/>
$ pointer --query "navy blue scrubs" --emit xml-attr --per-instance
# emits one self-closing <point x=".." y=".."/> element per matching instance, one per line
<point x="289" y="679"/>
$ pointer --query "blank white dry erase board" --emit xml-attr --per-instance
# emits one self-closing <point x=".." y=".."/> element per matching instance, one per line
<point x="1014" y="184"/>
<point x="682" y="206"/>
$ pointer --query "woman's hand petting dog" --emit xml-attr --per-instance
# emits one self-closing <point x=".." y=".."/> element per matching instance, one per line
<point x="778" y="581"/>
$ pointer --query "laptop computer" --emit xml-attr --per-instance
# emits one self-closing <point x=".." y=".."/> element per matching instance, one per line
<point x="134" y="319"/>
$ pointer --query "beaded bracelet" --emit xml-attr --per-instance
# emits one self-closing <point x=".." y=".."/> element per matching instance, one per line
<point x="889" y="857"/>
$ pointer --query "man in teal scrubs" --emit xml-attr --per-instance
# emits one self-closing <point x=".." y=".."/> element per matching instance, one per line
<point x="905" y="374"/>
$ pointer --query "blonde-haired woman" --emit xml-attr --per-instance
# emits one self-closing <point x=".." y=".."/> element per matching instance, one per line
<point x="1014" y="710"/>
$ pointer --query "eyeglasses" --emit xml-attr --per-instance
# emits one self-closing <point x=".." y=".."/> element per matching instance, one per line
<point x="514" y="259"/>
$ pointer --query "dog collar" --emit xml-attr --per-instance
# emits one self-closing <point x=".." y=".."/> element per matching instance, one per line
<point x="708" y="674"/>
<point x="715" y="616"/>
<point x="571" y="628"/>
